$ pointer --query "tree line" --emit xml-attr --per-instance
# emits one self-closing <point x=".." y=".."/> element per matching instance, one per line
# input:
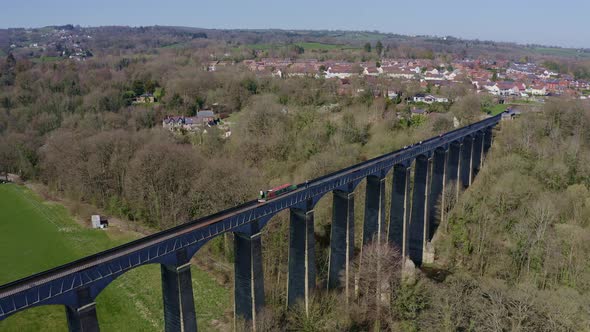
<point x="71" y="125"/>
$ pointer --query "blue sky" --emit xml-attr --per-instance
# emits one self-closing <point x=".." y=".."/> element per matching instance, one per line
<point x="550" y="22"/>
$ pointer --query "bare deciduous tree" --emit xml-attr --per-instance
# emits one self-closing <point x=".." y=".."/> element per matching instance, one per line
<point x="378" y="271"/>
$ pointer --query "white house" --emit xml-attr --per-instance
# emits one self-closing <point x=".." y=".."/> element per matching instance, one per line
<point x="277" y="73"/>
<point x="372" y="71"/>
<point x="212" y="66"/>
<point x="395" y="72"/>
<point x="434" y="71"/>
<point x="451" y="75"/>
<point x="503" y="89"/>
<point x="340" y="71"/>
<point x="391" y="94"/>
<point x="550" y="73"/>
<point x="537" y="90"/>
<point x="434" y="77"/>
<point x="429" y="99"/>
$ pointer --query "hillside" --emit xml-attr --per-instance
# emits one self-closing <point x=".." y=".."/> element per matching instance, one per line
<point x="79" y="41"/>
<point x="38" y="235"/>
<point x="517" y="242"/>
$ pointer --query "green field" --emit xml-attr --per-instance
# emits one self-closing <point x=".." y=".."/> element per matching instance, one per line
<point x="497" y="109"/>
<point x="307" y="46"/>
<point x="566" y="52"/>
<point x="176" y="45"/>
<point x="363" y="35"/>
<point x="46" y="59"/>
<point x="322" y="46"/>
<point x="36" y="235"/>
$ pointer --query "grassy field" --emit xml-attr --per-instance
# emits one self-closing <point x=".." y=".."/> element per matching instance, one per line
<point x="308" y="46"/>
<point x="176" y="45"/>
<point x="566" y="52"/>
<point x="497" y="109"/>
<point x="363" y="35"/>
<point x="322" y="46"/>
<point x="37" y="235"/>
<point x="46" y="59"/>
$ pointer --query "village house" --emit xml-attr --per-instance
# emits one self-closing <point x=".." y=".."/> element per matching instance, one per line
<point x="438" y="83"/>
<point x="211" y="66"/>
<point x="277" y="62"/>
<point x="433" y="77"/>
<point x="452" y="75"/>
<point x="392" y="94"/>
<point x="416" y="70"/>
<point x="397" y="72"/>
<point x="277" y="73"/>
<point x="429" y="99"/>
<point x="372" y="71"/>
<point x="205" y="116"/>
<point x="432" y="71"/>
<point x="537" y="90"/>
<point x="340" y="71"/>
<point x="547" y="74"/>
<point x="179" y="122"/>
<point x="522" y="68"/>
<point x="389" y="62"/>
<point x="480" y="75"/>
<point x="215" y="65"/>
<point x="144" y="98"/>
<point x="193" y="123"/>
<point x="503" y="89"/>
<point x="302" y="70"/>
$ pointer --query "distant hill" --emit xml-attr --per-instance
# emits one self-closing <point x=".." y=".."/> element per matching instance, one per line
<point x="68" y="40"/>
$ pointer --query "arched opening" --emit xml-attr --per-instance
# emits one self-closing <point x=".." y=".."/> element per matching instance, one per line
<point x="323" y="227"/>
<point x="275" y="240"/>
<point x="211" y="269"/>
<point x="212" y="272"/>
<point x="438" y="196"/>
<point x="399" y="200"/>
<point x="133" y="301"/>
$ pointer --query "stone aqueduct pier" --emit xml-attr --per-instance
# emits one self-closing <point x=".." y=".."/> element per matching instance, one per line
<point x="452" y="158"/>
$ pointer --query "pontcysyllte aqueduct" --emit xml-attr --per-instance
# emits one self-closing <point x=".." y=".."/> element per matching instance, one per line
<point x="452" y="158"/>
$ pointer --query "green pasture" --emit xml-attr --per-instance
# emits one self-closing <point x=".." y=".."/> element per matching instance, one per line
<point x="36" y="235"/>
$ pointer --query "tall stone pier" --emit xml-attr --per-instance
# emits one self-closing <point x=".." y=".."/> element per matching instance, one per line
<point x="177" y="292"/>
<point x="302" y="272"/>
<point x="341" y="241"/>
<point x="249" y="279"/>
<point x="419" y="225"/>
<point x="82" y="318"/>
<point x="399" y="215"/>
